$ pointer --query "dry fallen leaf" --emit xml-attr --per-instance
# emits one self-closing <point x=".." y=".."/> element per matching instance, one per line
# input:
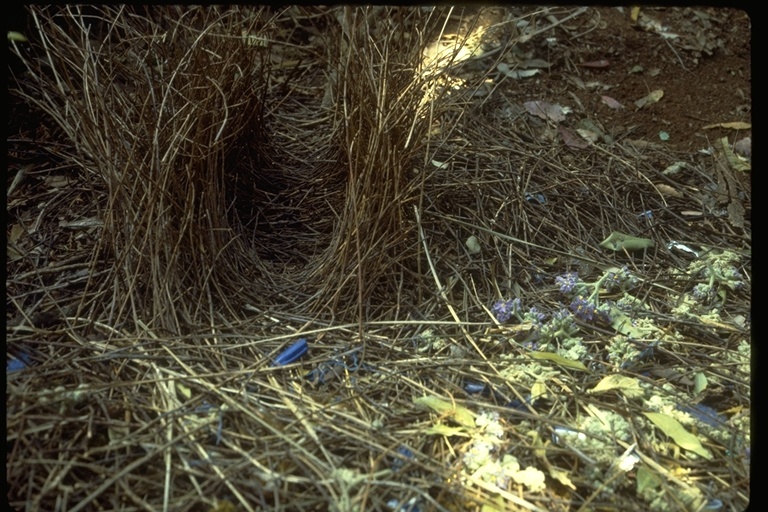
<point x="14" y="254"/>
<point x="595" y="64"/>
<point x="57" y="181"/>
<point x="536" y="63"/>
<point x="587" y="134"/>
<point x="627" y="385"/>
<point x="736" y="162"/>
<point x="735" y="125"/>
<point x="16" y="231"/>
<point x="611" y="103"/>
<point x="666" y="190"/>
<point x="459" y="414"/>
<point x="571" y="140"/>
<point x="516" y="73"/>
<point x="546" y="110"/>
<point x="651" y="98"/>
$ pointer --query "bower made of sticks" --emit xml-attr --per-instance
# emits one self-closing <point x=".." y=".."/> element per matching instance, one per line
<point x="247" y="160"/>
<point x="245" y="156"/>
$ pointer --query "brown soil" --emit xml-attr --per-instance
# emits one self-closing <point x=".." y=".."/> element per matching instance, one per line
<point x="704" y="72"/>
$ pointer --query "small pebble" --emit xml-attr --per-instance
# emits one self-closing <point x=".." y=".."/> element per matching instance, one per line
<point x="743" y="147"/>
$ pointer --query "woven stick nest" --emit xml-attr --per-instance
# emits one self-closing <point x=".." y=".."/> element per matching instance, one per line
<point x="237" y="178"/>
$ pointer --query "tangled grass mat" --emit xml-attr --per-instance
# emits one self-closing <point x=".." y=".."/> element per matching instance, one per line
<point x="319" y="259"/>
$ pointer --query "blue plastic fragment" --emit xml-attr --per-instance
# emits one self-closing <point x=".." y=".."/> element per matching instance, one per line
<point x="398" y="462"/>
<point x="325" y="371"/>
<point x="474" y="387"/>
<point x="219" y="428"/>
<point x="18" y="363"/>
<point x="713" y="504"/>
<point x="328" y="370"/>
<point x="15" y="365"/>
<point x="704" y="414"/>
<point x="558" y="431"/>
<point x="203" y="408"/>
<point x="648" y="214"/>
<point x="292" y="353"/>
<point x="517" y="405"/>
<point x="535" y="198"/>
<point x="411" y="505"/>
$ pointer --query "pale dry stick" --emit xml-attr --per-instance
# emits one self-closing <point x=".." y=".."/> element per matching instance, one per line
<point x="47" y="46"/>
<point x="296" y="412"/>
<point x="428" y="93"/>
<point x="629" y="166"/>
<point x="441" y="290"/>
<point x="226" y="108"/>
<point x="167" y="456"/>
<point x="169" y="88"/>
<point x="204" y="455"/>
<point x="722" y="482"/>
<point x="52" y="482"/>
<point x="234" y="405"/>
<point x="109" y="482"/>
<point x="347" y="22"/>
<point x="680" y="60"/>
<point x="200" y="450"/>
<point x="127" y="470"/>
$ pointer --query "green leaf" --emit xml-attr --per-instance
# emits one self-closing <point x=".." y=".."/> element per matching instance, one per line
<point x="560" y="360"/>
<point x="460" y="415"/>
<point x="531" y="477"/>
<point x="16" y="36"/>
<point x="629" y="386"/>
<point x="623" y="324"/>
<point x="736" y="162"/>
<point x="473" y="245"/>
<point x="441" y="429"/>
<point x="561" y="476"/>
<point x="684" y="439"/>
<point x="498" y="506"/>
<point x="647" y="479"/>
<point x="619" y="241"/>
<point x="183" y="390"/>
<point x="722" y="293"/>
<point x="699" y="383"/>
<point x="538" y="390"/>
<point x="649" y="99"/>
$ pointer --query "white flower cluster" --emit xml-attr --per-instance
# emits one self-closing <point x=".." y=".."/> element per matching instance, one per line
<point x="483" y="461"/>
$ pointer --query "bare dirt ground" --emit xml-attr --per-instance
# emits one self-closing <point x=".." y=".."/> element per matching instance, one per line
<point x="699" y="58"/>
